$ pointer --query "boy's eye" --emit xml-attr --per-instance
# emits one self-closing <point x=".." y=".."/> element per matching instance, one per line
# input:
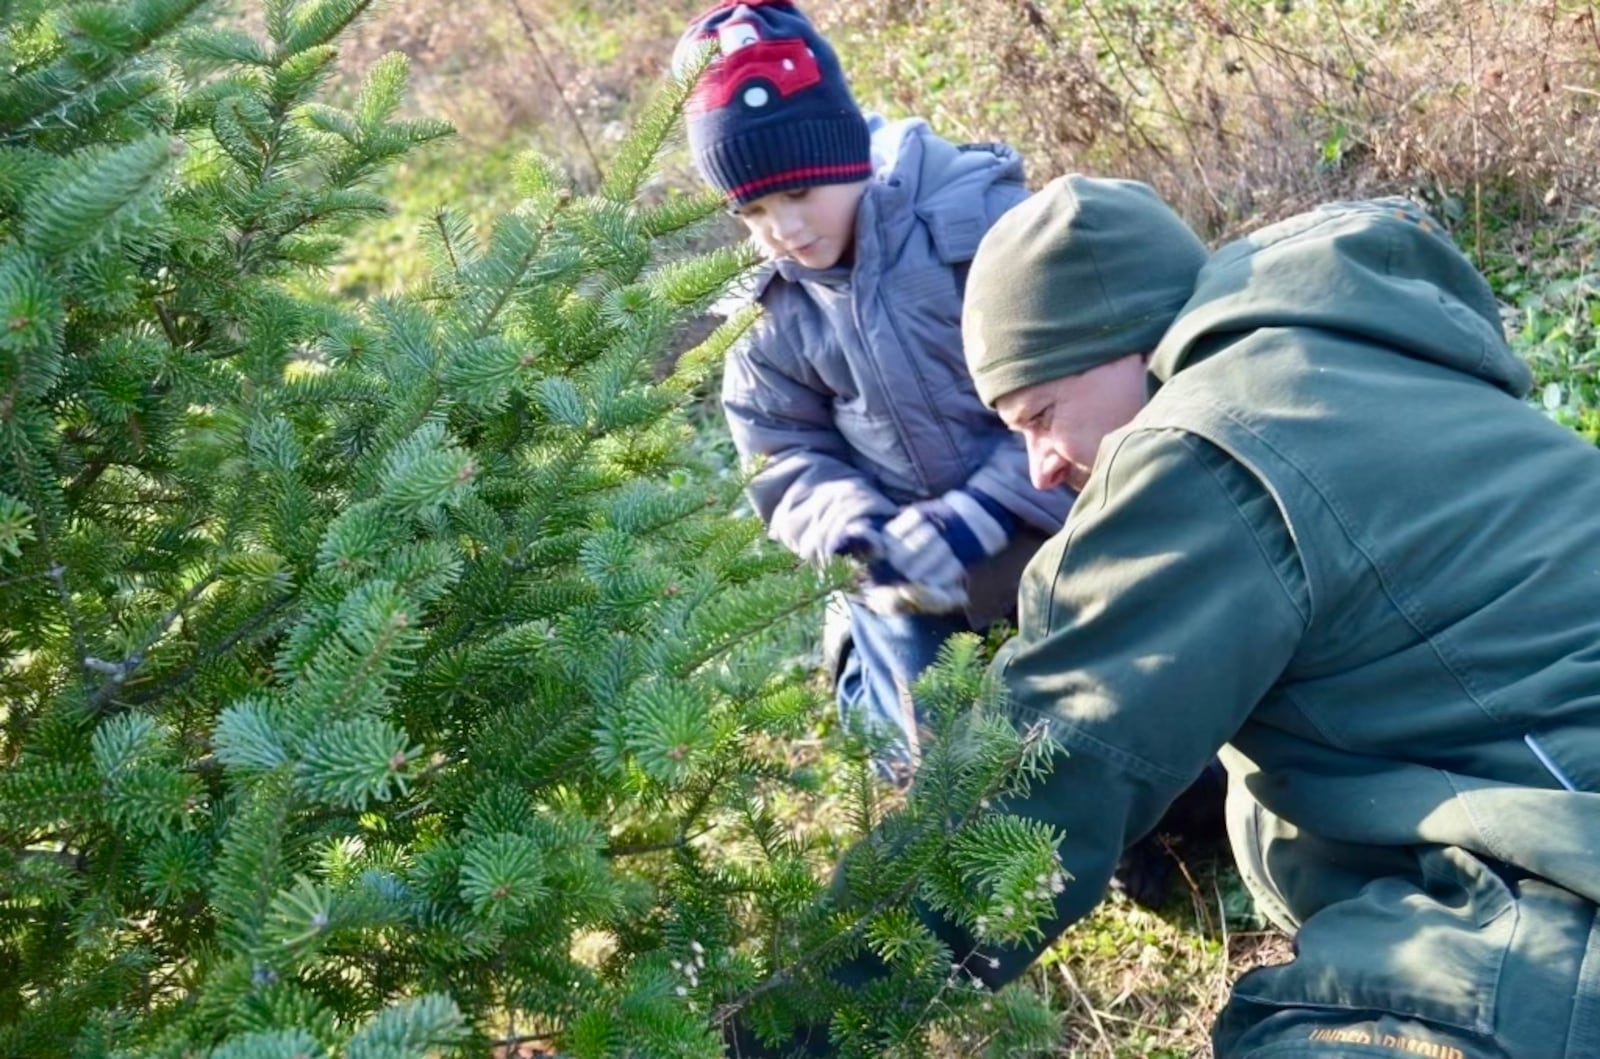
<point x="797" y="194"/>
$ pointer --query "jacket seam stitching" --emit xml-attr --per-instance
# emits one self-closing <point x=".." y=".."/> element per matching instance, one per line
<point x="1486" y="831"/>
<point x="858" y="288"/>
<point x="1190" y="441"/>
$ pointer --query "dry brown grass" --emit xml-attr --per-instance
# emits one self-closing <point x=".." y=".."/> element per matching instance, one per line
<point x="1133" y="984"/>
<point x="1241" y="111"/>
<point x="562" y="77"/>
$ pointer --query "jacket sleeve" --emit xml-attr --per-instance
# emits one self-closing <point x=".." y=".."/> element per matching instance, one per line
<point x="1149" y="632"/>
<point x="1004" y="476"/>
<point x="804" y="488"/>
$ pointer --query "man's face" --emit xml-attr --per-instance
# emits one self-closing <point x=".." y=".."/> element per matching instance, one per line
<point x="813" y="226"/>
<point x="1063" y="421"/>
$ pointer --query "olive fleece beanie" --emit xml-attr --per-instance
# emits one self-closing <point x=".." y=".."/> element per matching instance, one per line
<point x="1084" y="272"/>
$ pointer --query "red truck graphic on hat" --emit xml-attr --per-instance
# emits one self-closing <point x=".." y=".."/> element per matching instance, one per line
<point x="755" y="71"/>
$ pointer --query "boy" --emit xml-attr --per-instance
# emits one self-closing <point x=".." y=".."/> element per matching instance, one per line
<point x="852" y="388"/>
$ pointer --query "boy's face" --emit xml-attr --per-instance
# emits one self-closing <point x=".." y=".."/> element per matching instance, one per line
<point x="812" y="226"/>
<point x="1064" y="421"/>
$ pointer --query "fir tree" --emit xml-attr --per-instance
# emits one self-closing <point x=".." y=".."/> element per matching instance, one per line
<point x="391" y="679"/>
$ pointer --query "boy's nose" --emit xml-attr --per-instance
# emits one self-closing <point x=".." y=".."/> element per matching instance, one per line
<point x="787" y="222"/>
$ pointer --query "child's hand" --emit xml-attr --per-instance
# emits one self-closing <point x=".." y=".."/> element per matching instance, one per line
<point x="883" y="587"/>
<point x="861" y="539"/>
<point x="907" y="597"/>
<point x="935" y="542"/>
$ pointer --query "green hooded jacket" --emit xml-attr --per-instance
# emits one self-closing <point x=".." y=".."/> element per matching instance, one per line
<point x="1339" y="545"/>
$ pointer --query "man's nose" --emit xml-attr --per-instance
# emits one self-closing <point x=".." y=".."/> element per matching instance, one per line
<point x="1042" y="464"/>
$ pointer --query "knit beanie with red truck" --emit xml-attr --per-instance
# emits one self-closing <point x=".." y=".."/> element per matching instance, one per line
<point x="772" y="111"/>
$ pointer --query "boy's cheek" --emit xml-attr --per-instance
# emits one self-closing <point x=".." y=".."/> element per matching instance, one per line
<point x="768" y="247"/>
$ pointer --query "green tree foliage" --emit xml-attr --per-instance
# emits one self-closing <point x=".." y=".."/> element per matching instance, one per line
<point x="382" y="680"/>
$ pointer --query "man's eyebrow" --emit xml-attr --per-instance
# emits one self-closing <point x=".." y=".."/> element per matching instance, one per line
<point x="1024" y="410"/>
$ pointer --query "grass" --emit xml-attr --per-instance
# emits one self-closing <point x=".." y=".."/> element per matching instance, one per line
<point x="479" y="179"/>
<point x="1135" y="983"/>
<point x="1550" y="282"/>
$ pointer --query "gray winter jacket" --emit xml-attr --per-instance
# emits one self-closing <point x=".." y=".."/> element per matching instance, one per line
<point x="852" y="386"/>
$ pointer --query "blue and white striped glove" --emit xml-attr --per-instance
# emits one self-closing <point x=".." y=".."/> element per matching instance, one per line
<point x="884" y="589"/>
<point x="860" y="538"/>
<point x="935" y="542"/>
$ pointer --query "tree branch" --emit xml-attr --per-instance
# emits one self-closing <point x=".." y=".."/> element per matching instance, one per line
<point x="58" y="575"/>
<point x="902" y="894"/>
<point x="118" y="672"/>
<point x="184" y="675"/>
<point x="641" y="848"/>
<point x="509" y="1044"/>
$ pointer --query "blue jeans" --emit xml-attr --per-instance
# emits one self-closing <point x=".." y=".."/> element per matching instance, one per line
<point x="887" y="654"/>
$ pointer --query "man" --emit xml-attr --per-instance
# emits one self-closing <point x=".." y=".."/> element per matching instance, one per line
<point x="1318" y="531"/>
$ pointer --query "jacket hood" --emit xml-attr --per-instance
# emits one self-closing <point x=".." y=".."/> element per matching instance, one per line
<point x="910" y="155"/>
<point x="1381" y="271"/>
<point x="920" y="175"/>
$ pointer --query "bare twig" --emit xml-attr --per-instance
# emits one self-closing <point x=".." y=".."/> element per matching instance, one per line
<point x="1477" y="146"/>
<point x="512" y="1043"/>
<point x="58" y="575"/>
<point x="1037" y="20"/>
<point x="444" y="240"/>
<point x="555" y="82"/>
<point x="117" y="673"/>
<point x="1203" y="913"/>
<point x="168" y="325"/>
<point x="642" y="848"/>
<point x="1088" y="1005"/>
<point x="1111" y="50"/>
<point x="1222" y="920"/>
<point x="187" y="673"/>
<point x="1196" y="157"/>
<point x="1134" y="125"/>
